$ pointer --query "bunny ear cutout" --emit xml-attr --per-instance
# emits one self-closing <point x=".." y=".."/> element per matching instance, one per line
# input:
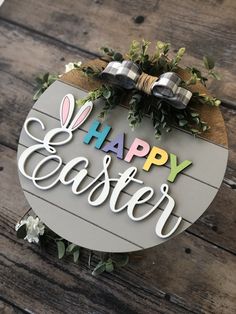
<point x="81" y="116"/>
<point x="66" y="109"/>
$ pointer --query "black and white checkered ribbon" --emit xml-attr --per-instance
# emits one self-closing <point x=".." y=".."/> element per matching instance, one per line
<point x="127" y="74"/>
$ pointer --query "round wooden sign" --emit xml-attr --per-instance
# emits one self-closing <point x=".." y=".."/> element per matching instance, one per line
<point x="107" y="188"/>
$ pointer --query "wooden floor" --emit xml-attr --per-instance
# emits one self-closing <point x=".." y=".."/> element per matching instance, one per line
<point x="196" y="273"/>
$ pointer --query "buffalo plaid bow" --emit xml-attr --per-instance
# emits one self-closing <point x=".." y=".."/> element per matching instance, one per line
<point x="127" y="74"/>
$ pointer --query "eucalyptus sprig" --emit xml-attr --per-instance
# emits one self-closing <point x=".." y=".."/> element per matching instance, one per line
<point x="209" y="64"/>
<point x="43" y="82"/>
<point x="173" y="63"/>
<point x="197" y="76"/>
<point x="136" y="112"/>
<point x="34" y="231"/>
<point x="112" y="54"/>
<point x="111" y="97"/>
<point x="90" y="71"/>
<point x="93" y="95"/>
<point x="108" y="262"/>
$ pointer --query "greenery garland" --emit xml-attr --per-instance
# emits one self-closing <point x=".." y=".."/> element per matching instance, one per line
<point x="34" y="230"/>
<point x="162" y="114"/>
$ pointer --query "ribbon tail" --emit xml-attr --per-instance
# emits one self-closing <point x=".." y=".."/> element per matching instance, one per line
<point x="181" y="98"/>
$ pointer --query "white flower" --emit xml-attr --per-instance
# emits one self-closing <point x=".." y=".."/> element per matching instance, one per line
<point x="72" y="65"/>
<point x="34" y="228"/>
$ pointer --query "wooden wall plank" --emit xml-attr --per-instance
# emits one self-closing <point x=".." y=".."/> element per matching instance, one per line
<point x="6" y="308"/>
<point x="218" y="223"/>
<point x="18" y="85"/>
<point x="145" y="282"/>
<point x="199" y="26"/>
<point x="230" y="122"/>
<point x="35" y="54"/>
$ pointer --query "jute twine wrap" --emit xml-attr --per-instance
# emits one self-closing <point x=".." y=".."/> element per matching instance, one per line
<point x="145" y="82"/>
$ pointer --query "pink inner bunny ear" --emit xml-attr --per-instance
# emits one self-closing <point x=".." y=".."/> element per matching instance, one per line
<point x="81" y="116"/>
<point x="67" y="107"/>
<point x="65" y="110"/>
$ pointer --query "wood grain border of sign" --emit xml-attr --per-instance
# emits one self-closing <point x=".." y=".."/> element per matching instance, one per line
<point x="102" y="186"/>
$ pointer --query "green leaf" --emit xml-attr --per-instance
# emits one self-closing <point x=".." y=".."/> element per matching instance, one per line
<point x="157" y="124"/>
<point x="21" y="232"/>
<point x="118" y="56"/>
<point x="52" y="79"/>
<point x="209" y="63"/>
<point x="196" y="120"/>
<point x="174" y="62"/>
<point x="99" y="269"/>
<point x="194" y="114"/>
<point x="109" y="265"/>
<point x="163" y="47"/>
<point x="104" y="49"/>
<point x="76" y="255"/>
<point x="180" y="116"/>
<point x="60" y="249"/>
<point x="71" y="247"/>
<point x="215" y="75"/>
<point x="194" y="131"/>
<point x="106" y="93"/>
<point x="39" y="80"/>
<point x="181" y="52"/>
<point x="157" y="134"/>
<point x="217" y="102"/>
<point x="37" y="94"/>
<point x="45" y="76"/>
<point x="183" y="122"/>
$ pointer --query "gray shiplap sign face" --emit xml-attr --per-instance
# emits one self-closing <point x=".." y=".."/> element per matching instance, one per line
<point x="94" y="199"/>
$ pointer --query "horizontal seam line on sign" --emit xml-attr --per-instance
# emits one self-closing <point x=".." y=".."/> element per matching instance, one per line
<point x="90" y="222"/>
<point x="125" y="192"/>
<point x="184" y="174"/>
<point x="44" y="35"/>
<point x="173" y="126"/>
